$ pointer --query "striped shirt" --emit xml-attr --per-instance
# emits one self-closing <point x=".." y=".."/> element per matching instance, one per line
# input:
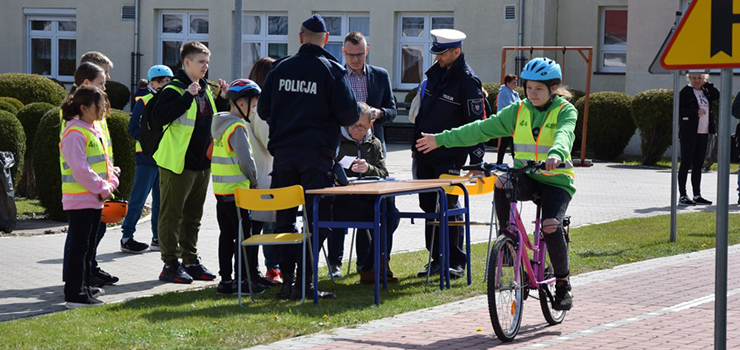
<point x="358" y="83"/>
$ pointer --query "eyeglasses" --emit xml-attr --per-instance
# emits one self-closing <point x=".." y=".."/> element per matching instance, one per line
<point x="355" y="55"/>
<point x="359" y="127"/>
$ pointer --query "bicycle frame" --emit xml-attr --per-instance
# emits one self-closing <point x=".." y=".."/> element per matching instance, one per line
<point x="536" y="277"/>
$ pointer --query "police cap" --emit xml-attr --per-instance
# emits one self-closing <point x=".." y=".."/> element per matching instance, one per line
<point x="445" y="39"/>
<point x="315" y="24"/>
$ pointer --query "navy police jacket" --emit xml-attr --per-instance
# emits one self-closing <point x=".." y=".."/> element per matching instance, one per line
<point x="305" y="99"/>
<point x="452" y="98"/>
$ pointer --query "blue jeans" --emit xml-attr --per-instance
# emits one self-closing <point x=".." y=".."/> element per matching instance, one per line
<point x="146" y="179"/>
<point x="335" y="250"/>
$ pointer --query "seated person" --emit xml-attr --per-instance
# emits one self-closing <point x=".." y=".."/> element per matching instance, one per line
<point x="358" y="141"/>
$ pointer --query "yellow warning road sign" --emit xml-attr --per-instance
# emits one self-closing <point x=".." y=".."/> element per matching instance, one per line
<point x="708" y="37"/>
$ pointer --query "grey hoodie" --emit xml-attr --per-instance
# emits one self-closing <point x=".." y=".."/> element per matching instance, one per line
<point x="239" y="142"/>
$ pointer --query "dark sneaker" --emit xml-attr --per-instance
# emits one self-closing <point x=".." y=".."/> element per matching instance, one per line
<point x="335" y="271"/>
<point x="701" y="200"/>
<point x="368" y="277"/>
<point x="175" y="273"/>
<point x="76" y="304"/>
<point x="264" y="281"/>
<point x="226" y="287"/>
<point x="99" y="278"/>
<point x="296" y="294"/>
<point x="457" y="271"/>
<point x="434" y="270"/>
<point x="132" y="246"/>
<point x="199" y="272"/>
<point x="685" y="200"/>
<point x="563" y="296"/>
<point x="257" y="288"/>
<point x="154" y="245"/>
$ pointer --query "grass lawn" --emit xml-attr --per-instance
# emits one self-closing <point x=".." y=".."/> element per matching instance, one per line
<point x="666" y="163"/>
<point x="204" y="320"/>
<point x="29" y="209"/>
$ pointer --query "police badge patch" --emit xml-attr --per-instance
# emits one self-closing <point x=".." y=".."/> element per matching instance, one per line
<point x="475" y="106"/>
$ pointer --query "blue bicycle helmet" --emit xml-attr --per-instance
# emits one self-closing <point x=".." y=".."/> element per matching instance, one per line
<point x="159" y="71"/>
<point x="542" y="69"/>
<point x="243" y="88"/>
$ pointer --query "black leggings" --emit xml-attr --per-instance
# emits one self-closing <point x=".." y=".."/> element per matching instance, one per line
<point x="82" y="234"/>
<point x="506" y="142"/>
<point x="693" y="151"/>
<point x="228" y="239"/>
<point x="554" y="202"/>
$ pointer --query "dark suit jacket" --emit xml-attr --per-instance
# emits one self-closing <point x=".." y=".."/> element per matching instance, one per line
<point x="380" y="95"/>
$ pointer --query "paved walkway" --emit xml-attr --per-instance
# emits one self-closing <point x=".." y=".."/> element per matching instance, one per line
<point x="32" y="265"/>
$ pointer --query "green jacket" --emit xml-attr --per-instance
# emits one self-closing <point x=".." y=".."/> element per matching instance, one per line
<point x="503" y="125"/>
<point x="370" y="149"/>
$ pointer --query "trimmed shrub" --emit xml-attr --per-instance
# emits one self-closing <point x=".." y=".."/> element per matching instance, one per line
<point x="29" y="88"/>
<point x="30" y="116"/>
<point x="8" y="107"/>
<point x="14" y="101"/>
<point x="123" y="150"/>
<point x="610" y="124"/>
<point x="13" y="139"/>
<point x="46" y="163"/>
<point x="652" y="112"/>
<point x="118" y="94"/>
<point x="577" y="94"/>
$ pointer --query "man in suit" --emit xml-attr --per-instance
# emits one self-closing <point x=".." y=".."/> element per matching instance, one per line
<point x="371" y="85"/>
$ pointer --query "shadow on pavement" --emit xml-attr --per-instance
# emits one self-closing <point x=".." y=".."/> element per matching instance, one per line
<point x="102" y="258"/>
<point x="703" y="208"/>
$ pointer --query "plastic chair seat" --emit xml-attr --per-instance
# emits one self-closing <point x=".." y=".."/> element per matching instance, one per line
<point x="275" y="238"/>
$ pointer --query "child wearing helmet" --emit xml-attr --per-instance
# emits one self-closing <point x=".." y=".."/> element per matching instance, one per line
<point x="232" y="167"/>
<point x="146" y="177"/>
<point x="88" y="179"/>
<point x="542" y="126"/>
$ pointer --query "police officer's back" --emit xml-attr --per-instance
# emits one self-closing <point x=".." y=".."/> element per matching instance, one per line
<point x="306" y="98"/>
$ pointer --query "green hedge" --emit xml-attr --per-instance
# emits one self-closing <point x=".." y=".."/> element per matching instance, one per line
<point x="8" y="107"/>
<point x="652" y="111"/>
<point x="610" y="124"/>
<point x="118" y="94"/>
<point x="30" y="116"/>
<point x="14" y="101"/>
<point x="46" y="163"/>
<point x="13" y="139"/>
<point x="29" y="88"/>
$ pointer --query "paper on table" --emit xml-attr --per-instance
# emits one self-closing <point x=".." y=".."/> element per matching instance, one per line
<point x="347" y="161"/>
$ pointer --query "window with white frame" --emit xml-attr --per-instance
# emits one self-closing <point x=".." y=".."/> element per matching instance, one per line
<point x="177" y="28"/>
<point x="341" y="24"/>
<point x="52" y="43"/>
<point x="263" y="35"/>
<point x="613" y="40"/>
<point x="414" y="40"/>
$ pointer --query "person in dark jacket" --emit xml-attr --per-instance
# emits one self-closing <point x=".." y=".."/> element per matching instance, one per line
<point x="696" y="122"/>
<point x="305" y="100"/>
<point x="452" y="97"/>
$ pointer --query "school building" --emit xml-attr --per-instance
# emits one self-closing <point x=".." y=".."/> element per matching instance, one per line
<point x="48" y="37"/>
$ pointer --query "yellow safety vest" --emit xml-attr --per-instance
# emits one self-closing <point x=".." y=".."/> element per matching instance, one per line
<point x="100" y="125"/>
<point x="527" y="148"/>
<point x="97" y="157"/>
<point x="144" y="99"/>
<point x="225" y="171"/>
<point x="171" y="151"/>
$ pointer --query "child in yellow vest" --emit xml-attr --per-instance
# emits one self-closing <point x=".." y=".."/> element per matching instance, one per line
<point x="88" y="179"/>
<point x="232" y="167"/>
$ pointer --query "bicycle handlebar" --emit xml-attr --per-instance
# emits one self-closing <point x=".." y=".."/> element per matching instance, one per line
<point x="531" y="166"/>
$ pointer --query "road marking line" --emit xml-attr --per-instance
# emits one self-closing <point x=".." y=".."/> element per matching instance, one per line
<point x="614" y="324"/>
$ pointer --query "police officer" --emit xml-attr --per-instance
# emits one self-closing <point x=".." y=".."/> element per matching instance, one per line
<point x="306" y="98"/>
<point x="452" y="97"/>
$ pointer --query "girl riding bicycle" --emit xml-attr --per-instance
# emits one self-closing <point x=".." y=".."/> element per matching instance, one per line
<point x="542" y="126"/>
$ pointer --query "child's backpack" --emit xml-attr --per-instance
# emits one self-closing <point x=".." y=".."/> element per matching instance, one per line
<point x="151" y="130"/>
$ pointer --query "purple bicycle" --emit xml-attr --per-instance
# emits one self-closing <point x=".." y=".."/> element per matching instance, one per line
<point x="512" y="271"/>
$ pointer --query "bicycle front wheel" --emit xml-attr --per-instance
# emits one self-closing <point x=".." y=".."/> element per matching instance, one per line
<point x="552" y="316"/>
<point x="505" y="288"/>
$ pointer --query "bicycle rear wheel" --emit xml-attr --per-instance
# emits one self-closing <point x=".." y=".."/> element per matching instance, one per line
<point x="552" y="316"/>
<point x="505" y="302"/>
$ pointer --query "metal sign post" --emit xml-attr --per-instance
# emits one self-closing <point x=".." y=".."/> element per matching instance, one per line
<point x="674" y="154"/>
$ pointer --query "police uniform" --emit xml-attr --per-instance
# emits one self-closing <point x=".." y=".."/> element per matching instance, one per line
<point x="306" y="98"/>
<point x="452" y="97"/>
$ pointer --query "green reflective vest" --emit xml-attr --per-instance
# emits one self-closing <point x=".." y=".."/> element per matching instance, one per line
<point x="144" y="99"/>
<point x="101" y="125"/>
<point x="527" y="148"/>
<point x="171" y="151"/>
<point x="225" y="171"/>
<point x="96" y="156"/>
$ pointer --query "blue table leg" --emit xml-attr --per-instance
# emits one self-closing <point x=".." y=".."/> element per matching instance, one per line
<point x="467" y="232"/>
<point x="376" y="249"/>
<point x="384" y="243"/>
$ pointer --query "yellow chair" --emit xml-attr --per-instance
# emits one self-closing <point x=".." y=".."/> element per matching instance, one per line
<point x="474" y="189"/>
<point x="268" y="200"/>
